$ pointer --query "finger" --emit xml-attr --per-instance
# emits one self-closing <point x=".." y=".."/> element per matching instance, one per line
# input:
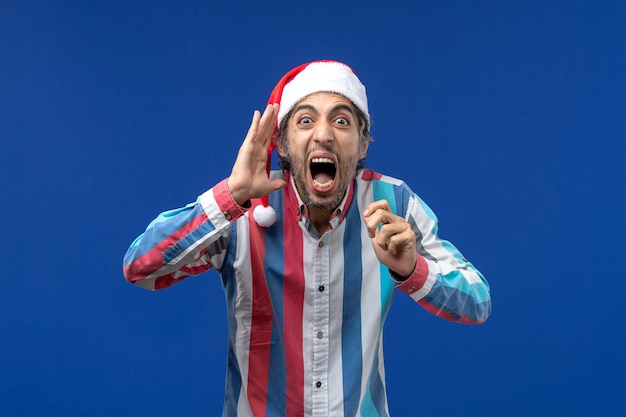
<point x="401" y="238"/>
<point x="376" y="205"/>
<point x="374" y="221"/>
<point x="254" y="126"/>
<point x="267" y="123"/>
<point x="379" y="218"/>
<point x="387" y="236"/>
<point x="262" y="128"/>
<point x="371" y="223"/>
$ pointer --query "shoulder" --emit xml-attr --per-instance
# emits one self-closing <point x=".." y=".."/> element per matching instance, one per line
<point x="369" y="176"/>
<point x="384" y="187"/>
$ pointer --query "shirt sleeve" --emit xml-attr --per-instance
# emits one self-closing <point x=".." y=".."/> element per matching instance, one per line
<point x="444" y="282"/>
<point x="183" y="242"/>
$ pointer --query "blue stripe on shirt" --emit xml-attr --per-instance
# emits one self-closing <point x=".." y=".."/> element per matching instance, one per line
<point x="190" y="239"/>
<point x="229" y="283"/>
<point x="442" y="296"/>
<point x="351" y="339"/>
<point x="172" y="221"/>
<point x="275" y="275"/>
<point x="377" y="389"/>
<point x="402" y="196"/>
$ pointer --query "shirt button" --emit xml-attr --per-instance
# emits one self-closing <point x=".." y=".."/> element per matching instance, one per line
<point x="410" y="290"/>
<point x="320" y="335"/>
<point x="228" y="216"/>
<point x="321" y="288"/>
<point x="318" y="384"/>
<point x="321" y="244"/>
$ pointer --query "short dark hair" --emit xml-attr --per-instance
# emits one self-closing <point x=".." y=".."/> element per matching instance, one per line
<point x="364" y="136"/>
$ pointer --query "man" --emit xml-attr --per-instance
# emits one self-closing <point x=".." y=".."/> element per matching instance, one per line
<point x="309" y="275"/>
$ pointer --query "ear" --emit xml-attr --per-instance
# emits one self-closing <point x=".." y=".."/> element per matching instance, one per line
<point x="279" y="149"/>
<point x="364" y="151"/>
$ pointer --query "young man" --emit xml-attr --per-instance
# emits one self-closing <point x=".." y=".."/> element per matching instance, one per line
<point x="309" y="255"/>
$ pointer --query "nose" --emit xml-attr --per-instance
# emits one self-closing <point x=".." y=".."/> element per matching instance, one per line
<point x="323" y="133"/>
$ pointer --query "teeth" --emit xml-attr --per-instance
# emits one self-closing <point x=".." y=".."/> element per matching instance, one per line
<point x="320" y="185"/>
<point x="322" y="161"/>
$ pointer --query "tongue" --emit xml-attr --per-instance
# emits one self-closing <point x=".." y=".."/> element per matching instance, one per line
<point x="322" y="177"/>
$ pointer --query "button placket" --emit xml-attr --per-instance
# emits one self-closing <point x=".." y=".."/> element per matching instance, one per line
<point x="319" y="374"/>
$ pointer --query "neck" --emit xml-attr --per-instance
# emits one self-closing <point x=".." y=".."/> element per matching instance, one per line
<point x="319" y="218"/>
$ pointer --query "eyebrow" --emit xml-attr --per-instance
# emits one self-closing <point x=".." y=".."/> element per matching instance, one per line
<point x="335" y="109"/>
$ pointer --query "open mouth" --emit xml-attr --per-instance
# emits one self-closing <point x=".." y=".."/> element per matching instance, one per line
<point x="323" y="171"/>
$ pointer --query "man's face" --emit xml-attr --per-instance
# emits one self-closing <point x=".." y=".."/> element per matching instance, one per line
<point x="322" y="147"/>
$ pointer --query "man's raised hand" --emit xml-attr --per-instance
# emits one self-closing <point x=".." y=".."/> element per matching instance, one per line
<point x="248" y="178"/>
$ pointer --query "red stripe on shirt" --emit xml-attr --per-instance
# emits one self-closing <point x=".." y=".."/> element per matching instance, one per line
<point x="369" y="175"/>
<point x="166" y="281"/>
<point x="293" y="303"/>
<point x="445" y="315"/>
<point x="261" y="327"/>
<point x="436" y="311"/>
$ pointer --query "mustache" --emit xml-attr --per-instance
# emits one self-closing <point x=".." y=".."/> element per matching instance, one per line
<point x="323" y="149"/>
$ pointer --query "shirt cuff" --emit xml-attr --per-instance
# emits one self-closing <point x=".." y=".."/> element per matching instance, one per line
<point x="417" y="279"/>
<point x="226" y="203"/>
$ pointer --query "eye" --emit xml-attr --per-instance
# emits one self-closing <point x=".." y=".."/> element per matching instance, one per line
<point x="342" y="121"/>
<point x="305" y="120"/>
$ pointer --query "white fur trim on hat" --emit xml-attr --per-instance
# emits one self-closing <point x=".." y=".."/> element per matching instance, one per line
<point x="323" y="76"/>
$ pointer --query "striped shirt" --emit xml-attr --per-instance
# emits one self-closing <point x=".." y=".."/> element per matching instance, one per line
<point x="306" y="312"/>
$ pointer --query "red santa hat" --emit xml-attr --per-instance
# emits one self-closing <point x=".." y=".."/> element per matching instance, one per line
<point x="306" y="79"/>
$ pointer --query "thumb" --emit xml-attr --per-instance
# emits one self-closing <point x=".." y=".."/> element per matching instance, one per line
<point x="277" y="184"/>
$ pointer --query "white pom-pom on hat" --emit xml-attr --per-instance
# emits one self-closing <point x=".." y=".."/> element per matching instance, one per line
<point x="264" y="216"/>
<point x="313" y="77"/>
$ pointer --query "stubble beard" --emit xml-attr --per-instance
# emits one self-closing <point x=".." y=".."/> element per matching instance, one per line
<point x="346" y="171"/>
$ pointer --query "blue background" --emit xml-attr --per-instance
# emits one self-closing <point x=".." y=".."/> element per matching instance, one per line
<point x="506" y="117"/>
